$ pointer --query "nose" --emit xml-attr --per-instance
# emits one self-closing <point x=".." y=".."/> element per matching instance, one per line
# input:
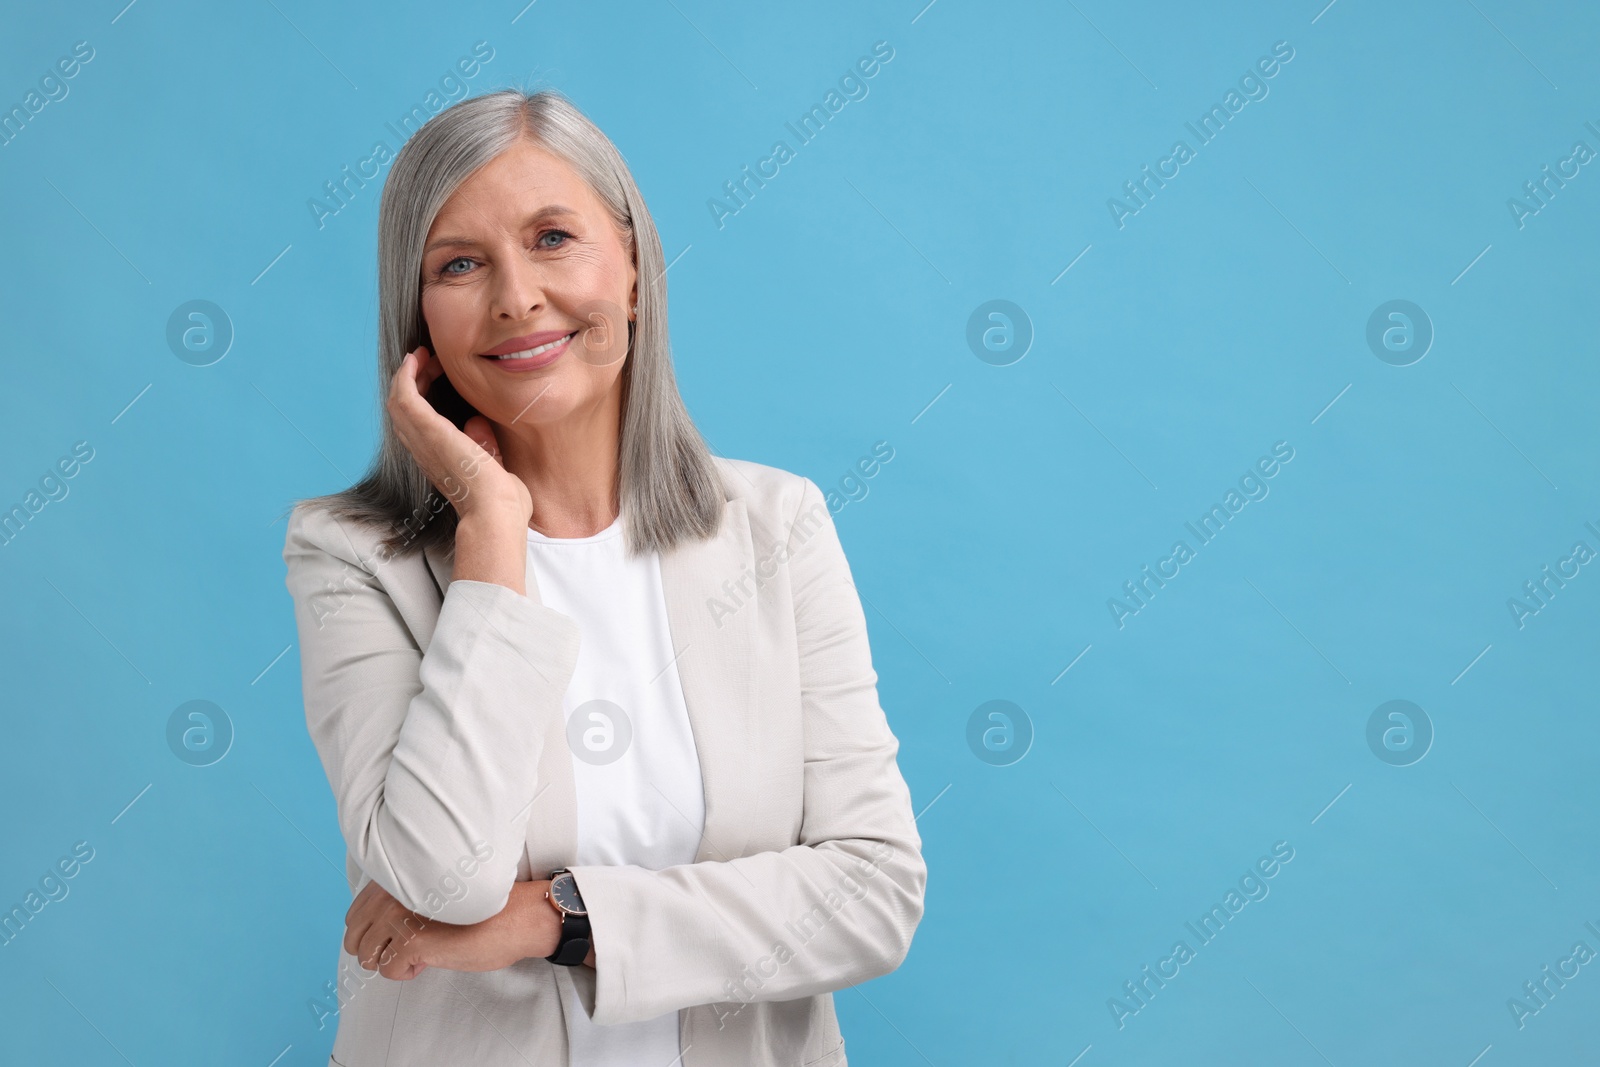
<point x="519" y="284"/>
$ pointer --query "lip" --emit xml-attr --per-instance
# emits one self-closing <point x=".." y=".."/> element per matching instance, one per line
<point x="532" y="340"/>
<point x="527" y="341"/>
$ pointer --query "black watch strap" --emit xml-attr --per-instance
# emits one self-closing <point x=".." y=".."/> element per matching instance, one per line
<point x="574" y="947"/>
<point x="575" y="941"/>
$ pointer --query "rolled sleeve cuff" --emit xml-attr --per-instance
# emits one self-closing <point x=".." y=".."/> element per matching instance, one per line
<point x="612" y="896"/>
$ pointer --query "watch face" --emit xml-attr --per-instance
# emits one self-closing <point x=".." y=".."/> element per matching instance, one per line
<point x="564" y="891"/>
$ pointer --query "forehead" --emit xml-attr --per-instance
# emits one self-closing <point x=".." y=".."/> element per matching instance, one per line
<point x="510" y="190"/>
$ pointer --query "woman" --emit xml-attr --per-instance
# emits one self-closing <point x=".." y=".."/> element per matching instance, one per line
<point x="597" y="708"/>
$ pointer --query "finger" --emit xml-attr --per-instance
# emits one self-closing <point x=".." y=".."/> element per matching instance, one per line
<point x="373" y="944"/>
<point x="402" y="933"/>
<point x="404" y="926"/>
<point x="399" y="958"/>
<point x="366" y="914"/>
<point x="414" y="418"/>
<point x="397" y="965"/>
<point x="418" y="371"/>
<point x="377" y="959"/>
<point x="354" y="931"/>
<point x="413" y="377"/>
<point x="357" y="920"/>
<point x="406" y="372"/>
<point x="481" y="432"/>
<point x="359" y="901"/>
<point x="428" y="369"/>
<point x="408" y="411"/>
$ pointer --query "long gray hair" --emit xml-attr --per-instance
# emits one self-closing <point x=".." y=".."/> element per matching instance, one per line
<point x="669" y="488"/>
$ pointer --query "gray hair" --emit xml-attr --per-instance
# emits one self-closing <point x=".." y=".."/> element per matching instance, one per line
<point x="669" y="488"/>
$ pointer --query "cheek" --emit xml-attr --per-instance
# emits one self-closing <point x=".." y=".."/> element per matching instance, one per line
<point x="449" y="315"/>
<point x="598" y="272"/>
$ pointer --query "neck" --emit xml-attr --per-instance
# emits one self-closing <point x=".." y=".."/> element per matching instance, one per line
<point x="570" y="467"/>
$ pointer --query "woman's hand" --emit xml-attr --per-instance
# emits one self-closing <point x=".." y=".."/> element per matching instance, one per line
<point x="380" y="933"/>
<point x="400" y="944"/>
<point x="463" y="465"/>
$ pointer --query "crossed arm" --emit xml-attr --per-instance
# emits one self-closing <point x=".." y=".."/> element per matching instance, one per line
<point x="386" y="936"/>
<point x="429" y="763"/>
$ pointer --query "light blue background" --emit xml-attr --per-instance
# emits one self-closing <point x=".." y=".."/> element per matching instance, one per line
<point x="831" y="313"/>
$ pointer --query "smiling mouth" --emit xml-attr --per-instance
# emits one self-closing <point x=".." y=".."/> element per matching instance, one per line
<point x="536" y="352"/>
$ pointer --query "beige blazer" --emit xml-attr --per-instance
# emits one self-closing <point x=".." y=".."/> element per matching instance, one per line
<point x="436" y="709"/>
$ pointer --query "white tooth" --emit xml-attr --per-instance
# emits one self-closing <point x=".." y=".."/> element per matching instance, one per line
<point x="530" y="353"/>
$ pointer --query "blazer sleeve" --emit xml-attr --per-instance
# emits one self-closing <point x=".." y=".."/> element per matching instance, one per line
<point x="432" y="755"/>
<point x="835" y="909"/>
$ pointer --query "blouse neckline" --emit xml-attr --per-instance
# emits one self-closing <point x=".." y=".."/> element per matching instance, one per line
<point x="610" y="532"/>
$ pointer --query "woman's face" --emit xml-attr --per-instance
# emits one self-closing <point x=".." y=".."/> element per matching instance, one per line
<point x="523" y="255"/>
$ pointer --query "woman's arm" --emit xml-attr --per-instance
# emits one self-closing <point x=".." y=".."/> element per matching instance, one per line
<point x="492" y="549"/>
<point x="432" y="757"/>
<point x="835" y="909"/>
<point x="383" y="935"/>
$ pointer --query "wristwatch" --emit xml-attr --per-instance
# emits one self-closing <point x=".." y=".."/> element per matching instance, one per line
<point x="575" y="942"/>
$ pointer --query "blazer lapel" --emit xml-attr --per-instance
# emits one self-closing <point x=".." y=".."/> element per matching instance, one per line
<point x="709" y="586"/>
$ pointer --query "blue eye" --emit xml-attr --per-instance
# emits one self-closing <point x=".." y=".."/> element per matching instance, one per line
<point x="554" y="233"/>
<point x="445" y="269"/>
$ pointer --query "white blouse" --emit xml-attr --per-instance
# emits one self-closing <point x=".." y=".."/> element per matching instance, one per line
<point x="640" y="796"/>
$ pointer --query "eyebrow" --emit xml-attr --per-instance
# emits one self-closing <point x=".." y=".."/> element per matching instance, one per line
<point x="544" y="213"/>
